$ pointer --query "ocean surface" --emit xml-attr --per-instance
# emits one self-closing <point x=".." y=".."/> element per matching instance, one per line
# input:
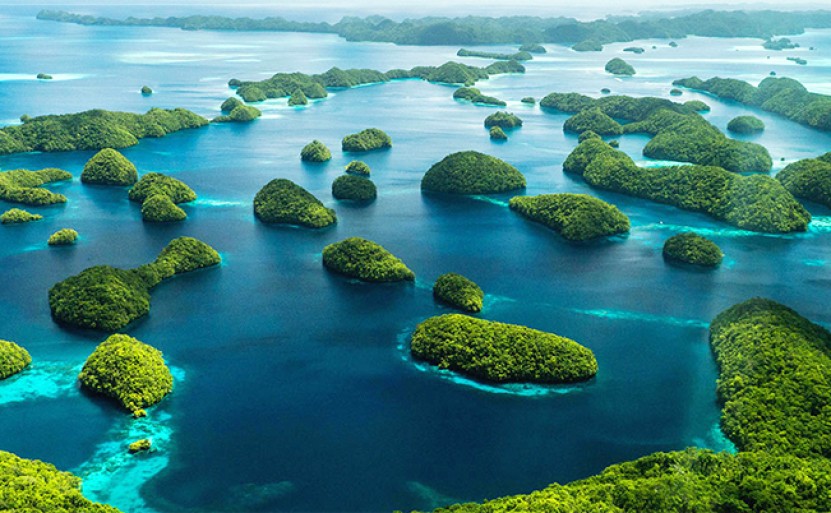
<point x="294" y="390"/>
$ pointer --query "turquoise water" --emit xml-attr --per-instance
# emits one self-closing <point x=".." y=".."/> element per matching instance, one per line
<point x="295" y="391"/>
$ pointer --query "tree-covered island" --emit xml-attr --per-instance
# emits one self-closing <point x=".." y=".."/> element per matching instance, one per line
<point x="63" y="237"/>
<point x="521" y="55"/>
<point x="13" y="359"/>
<point x="109" y="167"/>
<point x="315" y="151"/>
<point x="809" y="179"/>
<point x="365" y="260"/>
<point x="106" y="298"/>
<point x="474" y="95"/>
<point x="577" y="217"/>
<point x="354" y="188"/>
<point x="366" y="140"/>
<point x="504" y="120"/>
<point x="24" y="186"/>
<point x="282" y="201"/>
<point x="459" y="292"/>
<point x="691" y="248"/>
<point x="500" y="353"/>
<point x="618" y="66"/>
<point x="746" y="125"/>
<point x="471" y="172"/>
<point x="18" y="216"/>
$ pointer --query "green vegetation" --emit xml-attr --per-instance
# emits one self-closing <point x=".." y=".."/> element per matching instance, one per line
<point x="588" y="134"/>
<point x="158" y="208"/>
<point x="532" y="48"/>
<point x="284" y="202"/>
<point x="315" y="151"/>
<point x="497" y="134"/>
<point x="18" y="216"/>
<point x="131" y="372"/>
<point x="153" y="184"/>
<point x="109" y="167"/>
<point x="675" y="92"/>
<point x="678" y="133"/>
<point x="634" y="49"/>
<point x="504" y="120"/>
<point x="145" y="444"/>
<point x="587" y="46"/>
<point x="784" y="96"/>
<point x="474" y="95"/>
<point x="459" y="292"/>
<point x="354" y="188"/>
<point x="94" y="130"/>
<point x="691" y="248"/>
<point x="518" y="56"/>
<point x="529" y="100"/>
<point x="356" y="167"/>
<point x="471" y="172"/>
<point x="798" y="60"/>
<point x="298" y="98"/>
<point x="757" y="203"/>
<point x="501" y="353"/>
<point x="230" y="104"/>
<point x="773" y="374"/>
<point x="13" y="359"/>
<point x="29" y="486"/>
<point x="145" y="90"/>
<point x="577" y="217"/>
<point x="23" y="186"/>
<point x="365" y="260"/>
<point x="809" y="179"/>
<point x="746" y="125"/>
<point x="605" y="90"/>
<point x="63" y="237"/>
<point x="366" y="140"/>
<point x="697" y="106"/>
<point x="592" y="119"/>
<point x="240" y="113"/>
<point x="618" y="66"/>
<point x="780" y="44"/>
<point x="107" y="299"/>
<point x="44" y="76"/>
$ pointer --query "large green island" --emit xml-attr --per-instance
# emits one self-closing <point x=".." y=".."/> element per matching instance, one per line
<point x="471" y="172"/>
<point x="24" y="186"/>
<point x="106" y="298"/>
<point x="13" y="359"/>
<point x="500" y="353"/>
<point x="366" y="260"/>
<point x="809" y="179"/>
<point x="577" y="217"/>
<point x="282" y="201"/>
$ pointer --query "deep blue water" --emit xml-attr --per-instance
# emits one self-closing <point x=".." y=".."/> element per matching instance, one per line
<point x="294" y="391"/>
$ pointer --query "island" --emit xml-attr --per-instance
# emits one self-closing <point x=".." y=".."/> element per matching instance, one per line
<point x="366" y="140"/>
<point x="159" y="208"/>
<point x="145" y="444"/>
<point x="13" y="359"/>
<point x="354" y="188"/>
<point x="771" y="365"/>
<point x="779" y="44"/>
<point x="23" y="186"/>
<point x="678" y="133"/>
<point x="109" y="167"/>
<point x="282" y="201"/>
<point x="504" y="120"/>
<point x="530" y="100"/>
<point x="63" y="237"/>
<point x="798" y="60"/>
<point x="521" y="55"/>
<point x="809" y="179"/>
<point x="497" y="134"/>
<point x="35" y="486"/>
<point x="459" y="292"/>
<point x="298" y="99"/>
<point x="240" y="113"/>
<point x="315" y="151"/>
<point x="365" y="260"/>
<point x="691" y="248"/>
<point x="697" y="106"/>
<point x="594" y="120"/>
<point x="587" y="46"/>
<point x="471" y="172"/>
<point x="152" y="184"/>
<point x="357" y="167"/>
<point x="675" y="92"/>
<point x="127" y="370"/>
<point x="784" y="96"/>
<point x="634" y="49"/>
<point x="618" y="66"/>
<point x="107" y="299"/>
<point x="230" y="104"/>
<point x="532" y="48"/>
<point x="18" y="216"/>
<point x="146" y="91"/>
<point x="576" y="217"/>
<point x="757" y="202"/>
<point x="94" y="130"/>
<point x="474" y="95"/>
<point x="495" y="352"/>
<point x="746" y="125"/>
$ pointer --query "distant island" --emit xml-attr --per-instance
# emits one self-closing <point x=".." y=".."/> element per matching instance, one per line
<point x="471" y="172"/>
<point x="504" y="120"/>
<point x="521" y="55"/>
<point x="459" y="292"/>
<point x="18" y="216"/>
<point x="106" y="298"/>
<point x="315" y="151"/>
<point x="592" y="120"/>
<point x="497" y="134"/>
<point x="577" y="217"/>
<point x="691" y="248"/>
<point x="94" y="130"/>
<point x="366" y="140"/>
<point x="500" y="353"/>
<point x="129" y="371"/>
<point x="784" y="96"/>
<point x="474" y="95"/>
<point x="365" y="260"/>
<point x="13" y="359"/>
<point x="746" y="125"/>
<point x="358" y="168"/>
<point x="618" y="66"/>
<point x="779" y="44"/>
<point x="282" y="201"/>
<point x="758" y="202"/>
<point x="24" y="186"/>
<point x="809" y="179"/>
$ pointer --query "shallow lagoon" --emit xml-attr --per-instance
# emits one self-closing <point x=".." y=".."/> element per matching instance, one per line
<point x="295" y="392"/>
